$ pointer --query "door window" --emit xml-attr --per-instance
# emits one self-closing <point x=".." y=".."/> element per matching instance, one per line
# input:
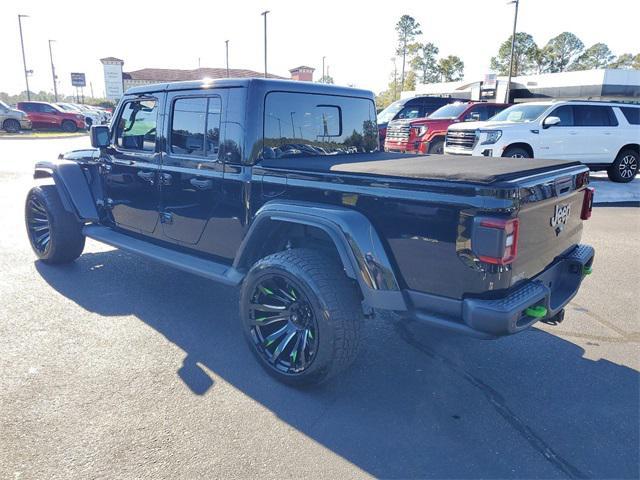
<point x="47" y="109"/>
<point x="195" y="126"/>
<point x="136" y="128"/>
<point x="413" y="111"/>
<point x="479" y="113"/>
<point x="594" y="116"/>
<point x="565" y="114"/>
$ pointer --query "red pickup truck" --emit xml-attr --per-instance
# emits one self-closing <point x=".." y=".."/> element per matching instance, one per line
<point x="426" y="135"/>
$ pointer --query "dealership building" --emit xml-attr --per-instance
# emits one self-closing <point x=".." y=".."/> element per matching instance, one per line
<point x="601" y="84"/>
<point x="117" y="81"/>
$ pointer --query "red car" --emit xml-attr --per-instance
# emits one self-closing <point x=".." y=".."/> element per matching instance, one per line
<point x="426" y="135"/>
<point x="47" y="115"/>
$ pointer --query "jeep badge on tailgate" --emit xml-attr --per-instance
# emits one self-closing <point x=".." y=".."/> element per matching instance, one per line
<point x="560" y="217"/>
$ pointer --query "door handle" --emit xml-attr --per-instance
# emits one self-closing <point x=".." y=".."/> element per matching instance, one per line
<point x="165" y="179"/>
<point x="122" y="162"/>
<point x="573" y="133"/>
<point x="201" y="184"/>
<point x="147" y="176"/>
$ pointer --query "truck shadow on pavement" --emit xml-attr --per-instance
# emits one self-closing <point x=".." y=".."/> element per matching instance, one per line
<point x="417" y="403"/>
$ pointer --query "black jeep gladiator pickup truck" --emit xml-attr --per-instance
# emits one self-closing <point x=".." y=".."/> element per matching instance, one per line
<point x="278" y="187"/>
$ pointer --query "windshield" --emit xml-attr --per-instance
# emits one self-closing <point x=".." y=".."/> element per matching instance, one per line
<point x="453" y="110"/>
<point x="386" y="115"/>
<point x="520" y="113"/>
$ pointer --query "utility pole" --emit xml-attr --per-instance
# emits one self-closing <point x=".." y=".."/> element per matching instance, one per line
<point x="53" y="73"/>
<point x="395" y="78"/>
<point x="226" y="44"/>
<point x="323" y="75"/>
<point x="24" y="59"/>
<point x="513" y="46"/>
<point x="264" y="14"/>
<point x="91" y="87"/>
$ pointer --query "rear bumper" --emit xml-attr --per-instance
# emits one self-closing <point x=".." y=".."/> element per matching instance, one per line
<point x="552" y="289"/>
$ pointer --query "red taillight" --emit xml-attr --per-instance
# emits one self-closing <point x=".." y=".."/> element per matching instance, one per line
<point x="506" y="231"/>
<point x="587" y="203"/>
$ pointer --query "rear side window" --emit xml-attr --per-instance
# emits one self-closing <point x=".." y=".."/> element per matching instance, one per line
<point x="136" y="127"/>
<point x="195" y="126"/>
<point x="631" y="114"/>
<point x="298" y="124"/>
<point x="594" y="116"/>
<point x="27" y="107"/>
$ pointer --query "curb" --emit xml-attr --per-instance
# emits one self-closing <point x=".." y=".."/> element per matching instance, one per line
<point x="52" y="137"/>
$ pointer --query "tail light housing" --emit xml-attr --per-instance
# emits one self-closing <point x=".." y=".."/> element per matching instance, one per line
<point x="587" y="203"/>
<point x="495" y="240"/>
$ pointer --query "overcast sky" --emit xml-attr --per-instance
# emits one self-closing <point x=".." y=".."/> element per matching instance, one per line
<point x="357" y="37"/>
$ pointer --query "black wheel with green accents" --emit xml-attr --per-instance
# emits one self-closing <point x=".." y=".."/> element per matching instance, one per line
<point x="301" y="316"/>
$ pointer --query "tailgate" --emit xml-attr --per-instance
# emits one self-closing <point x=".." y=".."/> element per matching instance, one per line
<point x="550" y="222"/>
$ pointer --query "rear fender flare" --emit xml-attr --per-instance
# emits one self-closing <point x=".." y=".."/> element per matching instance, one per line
<point x="361" y="251"/>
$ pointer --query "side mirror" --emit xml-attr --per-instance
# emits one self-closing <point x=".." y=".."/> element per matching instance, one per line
<point x="472" y="117"/>
<point x="550" y="122"/>
<point x="99" y="136"/>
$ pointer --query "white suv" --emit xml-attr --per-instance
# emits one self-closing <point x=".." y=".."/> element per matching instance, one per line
<point x="604" y="136"/>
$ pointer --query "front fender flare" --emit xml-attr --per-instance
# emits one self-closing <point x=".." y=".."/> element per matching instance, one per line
<point x="72" y="187"/>
<point x="356" y="240"/>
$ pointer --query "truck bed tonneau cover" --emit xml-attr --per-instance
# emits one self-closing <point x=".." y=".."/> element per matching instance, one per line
<point x="483" y="170"/>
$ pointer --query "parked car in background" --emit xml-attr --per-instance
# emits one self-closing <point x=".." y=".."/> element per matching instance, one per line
<point x="13" y="120"/>
<point x="427" y="135"/>
<point x="90" y="117"/>
<point x="102" y="113"/>
<point x="415" y="107"/>
<point x="602" y="135"/>
<point x="49" y="115"/>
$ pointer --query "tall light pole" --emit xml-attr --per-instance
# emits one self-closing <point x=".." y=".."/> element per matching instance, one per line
<point x="395" y="78"/>
<point x="24" y="59"/>
<point x="323" y="75"/>
<point x="53" y="73"/>
<point x="513" y="47"/>
<point x="264" y="14"/>
<point x="226" y="45"/>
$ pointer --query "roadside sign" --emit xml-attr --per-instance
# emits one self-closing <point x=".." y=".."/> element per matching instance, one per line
<point x="488" y="87"/>
<point x="78" y="79"/>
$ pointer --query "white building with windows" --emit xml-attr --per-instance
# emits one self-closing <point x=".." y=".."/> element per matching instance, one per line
<point x="601" y="84"/>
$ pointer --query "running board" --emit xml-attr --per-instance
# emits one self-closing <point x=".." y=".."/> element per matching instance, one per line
<point x="182" y="261"/>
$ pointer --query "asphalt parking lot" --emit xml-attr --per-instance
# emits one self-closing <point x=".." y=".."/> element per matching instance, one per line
<point x="115" y="366"/>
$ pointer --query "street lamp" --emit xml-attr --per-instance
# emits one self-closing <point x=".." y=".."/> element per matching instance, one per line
<point x="24" y="59"/>
<point x="53" y="73"/>
<point x="513" y="46"/>
<point x="264" y="14"/>
<point x="226" y="43"/>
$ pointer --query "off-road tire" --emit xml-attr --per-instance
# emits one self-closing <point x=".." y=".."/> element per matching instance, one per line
<point x="336" y="304"/>
<point x="66" y="241"/>
<point x="11" y="126"/>
<point x="625" y="166"/>
<point x="69" y="126"/>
